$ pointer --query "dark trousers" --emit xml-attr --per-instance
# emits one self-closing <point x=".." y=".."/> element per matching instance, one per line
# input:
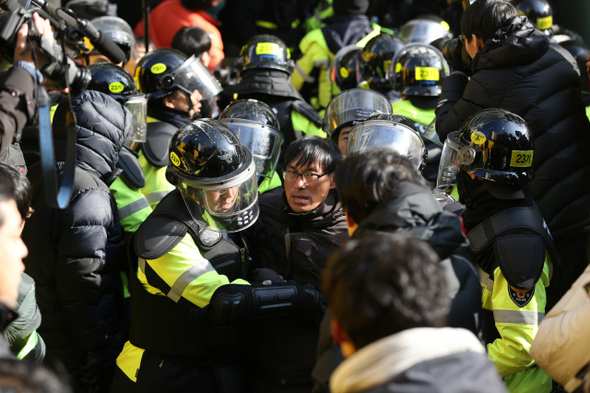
<point x="161" y="373"/>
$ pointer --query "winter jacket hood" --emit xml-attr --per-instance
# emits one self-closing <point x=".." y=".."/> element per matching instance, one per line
<point x="418" y="212"/>
<point x="517" y="43"/>
<point x="403" y="358"/>
<point x="102" y="124"/>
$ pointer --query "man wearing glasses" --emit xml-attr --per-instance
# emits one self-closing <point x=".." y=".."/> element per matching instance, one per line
<point x="295" y="234"/>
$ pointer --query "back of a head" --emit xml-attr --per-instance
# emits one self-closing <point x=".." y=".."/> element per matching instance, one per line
<point x="484" y="17"/>
<point x="305" y="151"/>
<point x="381" y="171"/>
<point x="118" y="30"/>
<point x="265" y="52"/>
<point x="25" y="377"/>
<point x="191" y="40"/>
<point x="14" y="182"/>
<point x="383" y="285"/>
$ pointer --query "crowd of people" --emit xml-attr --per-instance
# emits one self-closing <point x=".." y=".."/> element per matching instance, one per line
<point x="296" y="196"/>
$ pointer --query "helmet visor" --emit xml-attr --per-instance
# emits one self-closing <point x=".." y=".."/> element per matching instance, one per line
<point x="354" y="106"/>
<point x="377" y="133"/>
<point x="228" y="207"/>
<point x="263" y="141"/>
<point x="193" y="75"/>
<point x="454" y="156"/>
<point x="423" y="31"/>
<point x="137" y="105"/>
<point x="345" y="57"/>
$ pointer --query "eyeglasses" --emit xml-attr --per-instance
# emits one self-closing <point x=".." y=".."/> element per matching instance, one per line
<point x="462" y="38"/>
<point x="309" y="178"/>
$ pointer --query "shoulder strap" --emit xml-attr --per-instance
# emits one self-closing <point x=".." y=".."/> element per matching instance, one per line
<point x="520" y="255"/>
<point x="166" y="227"/>
<point x="132" y="172"/>
<point x="307" y="111"/>
<point x="155" y="148"/>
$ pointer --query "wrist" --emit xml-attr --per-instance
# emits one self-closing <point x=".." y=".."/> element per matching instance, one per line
<point x="35" y="73"/>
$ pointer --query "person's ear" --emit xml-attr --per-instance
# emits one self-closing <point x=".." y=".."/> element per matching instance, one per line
<point x="478" y="41"/>
<point x="332" y="182"/>
<point x="168" y="101"/>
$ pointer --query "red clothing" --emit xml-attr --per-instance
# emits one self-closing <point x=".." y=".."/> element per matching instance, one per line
<point x="170" y="16"/>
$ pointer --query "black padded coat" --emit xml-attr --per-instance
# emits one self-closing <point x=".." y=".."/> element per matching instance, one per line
<point x="74" y="253"/>
<point x="518" y="70"/>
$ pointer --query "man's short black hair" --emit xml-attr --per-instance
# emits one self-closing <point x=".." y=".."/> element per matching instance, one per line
<point x="21" y="187"/>
<point x="364" y="180"/>
<point x="26" y="377"/>
<point x="192" y="40"/>
<point x="305" y="151"/>
<point x="484" y="17"/>
<point x="384" y="284"/>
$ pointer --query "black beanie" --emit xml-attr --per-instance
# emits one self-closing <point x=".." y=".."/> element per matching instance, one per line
<point x="350" y="7"/>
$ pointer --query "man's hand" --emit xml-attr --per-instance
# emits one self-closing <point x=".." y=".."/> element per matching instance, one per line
<point x="22" y="51"/>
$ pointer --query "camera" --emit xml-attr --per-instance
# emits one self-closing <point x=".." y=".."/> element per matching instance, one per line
<point x="60" y="70"/>
<point x="449" y="50"/>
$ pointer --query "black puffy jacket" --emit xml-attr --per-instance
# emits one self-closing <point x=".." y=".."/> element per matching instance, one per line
<point x="419" y="213"/>
<point x="74" y="253"/>
<point x="518" y="70"/>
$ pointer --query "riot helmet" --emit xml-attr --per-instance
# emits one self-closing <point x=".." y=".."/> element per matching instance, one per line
<point x="114" y="81"/>
<point x="493" y="144"/>
<point x="215" y="175"/>
<point x="405" y="140"/>
<point x="351" y="107"/>
<point x="376" y="59"/>
<point x="257" y="127"/>
<point x="538" y="12"/>
<point x="424" y="30"/>
<point x="163" y="71"/>
<point x="345" y="69"/>
<point x="118" y="31"/>
<point x="418" y="70"/>
<point x="265" y="51"/>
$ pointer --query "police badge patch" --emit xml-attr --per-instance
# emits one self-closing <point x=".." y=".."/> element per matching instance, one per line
<point x="520" y="297"/>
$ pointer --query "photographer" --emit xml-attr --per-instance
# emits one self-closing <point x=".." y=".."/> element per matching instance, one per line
<point x="17" y="104"/>
<point x="514" y="67"/>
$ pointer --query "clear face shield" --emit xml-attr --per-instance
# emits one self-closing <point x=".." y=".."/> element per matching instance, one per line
<point x="354" y="105"/>
<point x="137" y="105"/>
<point x="263" y="141"/>
<point x="381" y="133"/>
<point x="423" y="31"/>
<point x="227" y="205"/>
<point x="193" y="75"/>
<point x="454" y="155"/>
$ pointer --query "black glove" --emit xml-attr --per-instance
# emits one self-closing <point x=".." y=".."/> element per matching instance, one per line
<point x="263" y="274"/>
<point x="311" y="305"/>
<point x="461" y="59"/>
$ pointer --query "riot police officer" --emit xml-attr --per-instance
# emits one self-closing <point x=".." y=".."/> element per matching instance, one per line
<point x="265" y="75"/>
<point x="509" y="240"/>
<point x="174" y="85"/>
<point x="417" y="72"/>
<point x="189" y="256"/>
<point x="257" y="127"/>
